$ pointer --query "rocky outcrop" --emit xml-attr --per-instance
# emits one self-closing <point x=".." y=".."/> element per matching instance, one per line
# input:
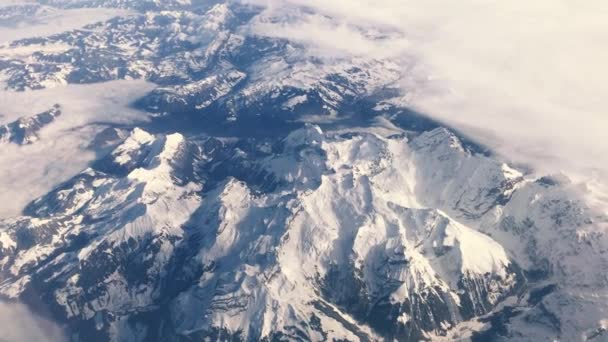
<point x="26" y="130"/>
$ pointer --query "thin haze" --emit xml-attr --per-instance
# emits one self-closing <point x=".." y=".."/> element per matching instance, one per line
<point x="527" y="78"/>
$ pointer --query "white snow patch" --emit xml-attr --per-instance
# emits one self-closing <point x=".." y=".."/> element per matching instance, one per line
<point x="6" y="241"/>
<point x="295" y="101"/>
<point x="480" y="254"/>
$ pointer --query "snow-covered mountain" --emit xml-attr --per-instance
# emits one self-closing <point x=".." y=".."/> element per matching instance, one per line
<point x="25" y="130"/>
<point x="274" y="195"/>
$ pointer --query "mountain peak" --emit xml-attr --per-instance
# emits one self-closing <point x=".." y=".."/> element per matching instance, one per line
<point x="309" y="135"/>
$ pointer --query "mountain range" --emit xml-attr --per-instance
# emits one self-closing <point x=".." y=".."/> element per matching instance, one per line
<point x="273" y="195"/>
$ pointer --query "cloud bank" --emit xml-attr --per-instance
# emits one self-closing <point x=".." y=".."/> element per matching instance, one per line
<point x="20" y="325"/>
<point x="28" y="172"/>
<point x="527" y="78"/>
<point x="46" y="21"/>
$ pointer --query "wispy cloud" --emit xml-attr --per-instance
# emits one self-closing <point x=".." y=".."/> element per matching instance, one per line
<point x="525" y="77"/>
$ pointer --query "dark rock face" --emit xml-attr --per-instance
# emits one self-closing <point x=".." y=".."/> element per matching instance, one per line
<point x="432" y="310"/>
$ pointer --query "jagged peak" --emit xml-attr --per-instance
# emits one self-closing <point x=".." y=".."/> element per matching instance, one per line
<point x="510" y="172"/>
<point x="144" y="156"/>
<point x="139" y="134"/>
<point x="123" y="154"/>
<point x="309" y="135"/>
<point x="438" y="138"/>
<point x="479" y="254"/>
<point x="164" y="150"/>
<point x="217" y="17"/>
<point x="162" y="160"/>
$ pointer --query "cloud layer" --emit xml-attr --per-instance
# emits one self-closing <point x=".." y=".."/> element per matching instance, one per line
<point x="27" y="172"/>
<point x="527" y="78"/>
<point x="48" y="21"/>
<point x="20" y="325"/>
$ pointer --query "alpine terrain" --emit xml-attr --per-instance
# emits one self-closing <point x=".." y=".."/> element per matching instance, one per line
<point x="268" y="194"/>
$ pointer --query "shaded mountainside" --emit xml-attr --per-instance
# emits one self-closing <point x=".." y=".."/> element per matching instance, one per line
<point x="276" y="196"/>
<point x="317" y="235"/>
<point x="325" y="237"/>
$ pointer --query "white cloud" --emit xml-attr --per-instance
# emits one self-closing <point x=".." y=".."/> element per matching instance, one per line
<point x="20" y="325"/>
<point x="525" y="77"/>
<point x="48" y="20"/>
<point x="27" y="172"/>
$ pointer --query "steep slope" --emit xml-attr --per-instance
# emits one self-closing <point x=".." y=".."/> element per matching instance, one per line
<point x="68" y="238"/>
<point x="550" y="230"/>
